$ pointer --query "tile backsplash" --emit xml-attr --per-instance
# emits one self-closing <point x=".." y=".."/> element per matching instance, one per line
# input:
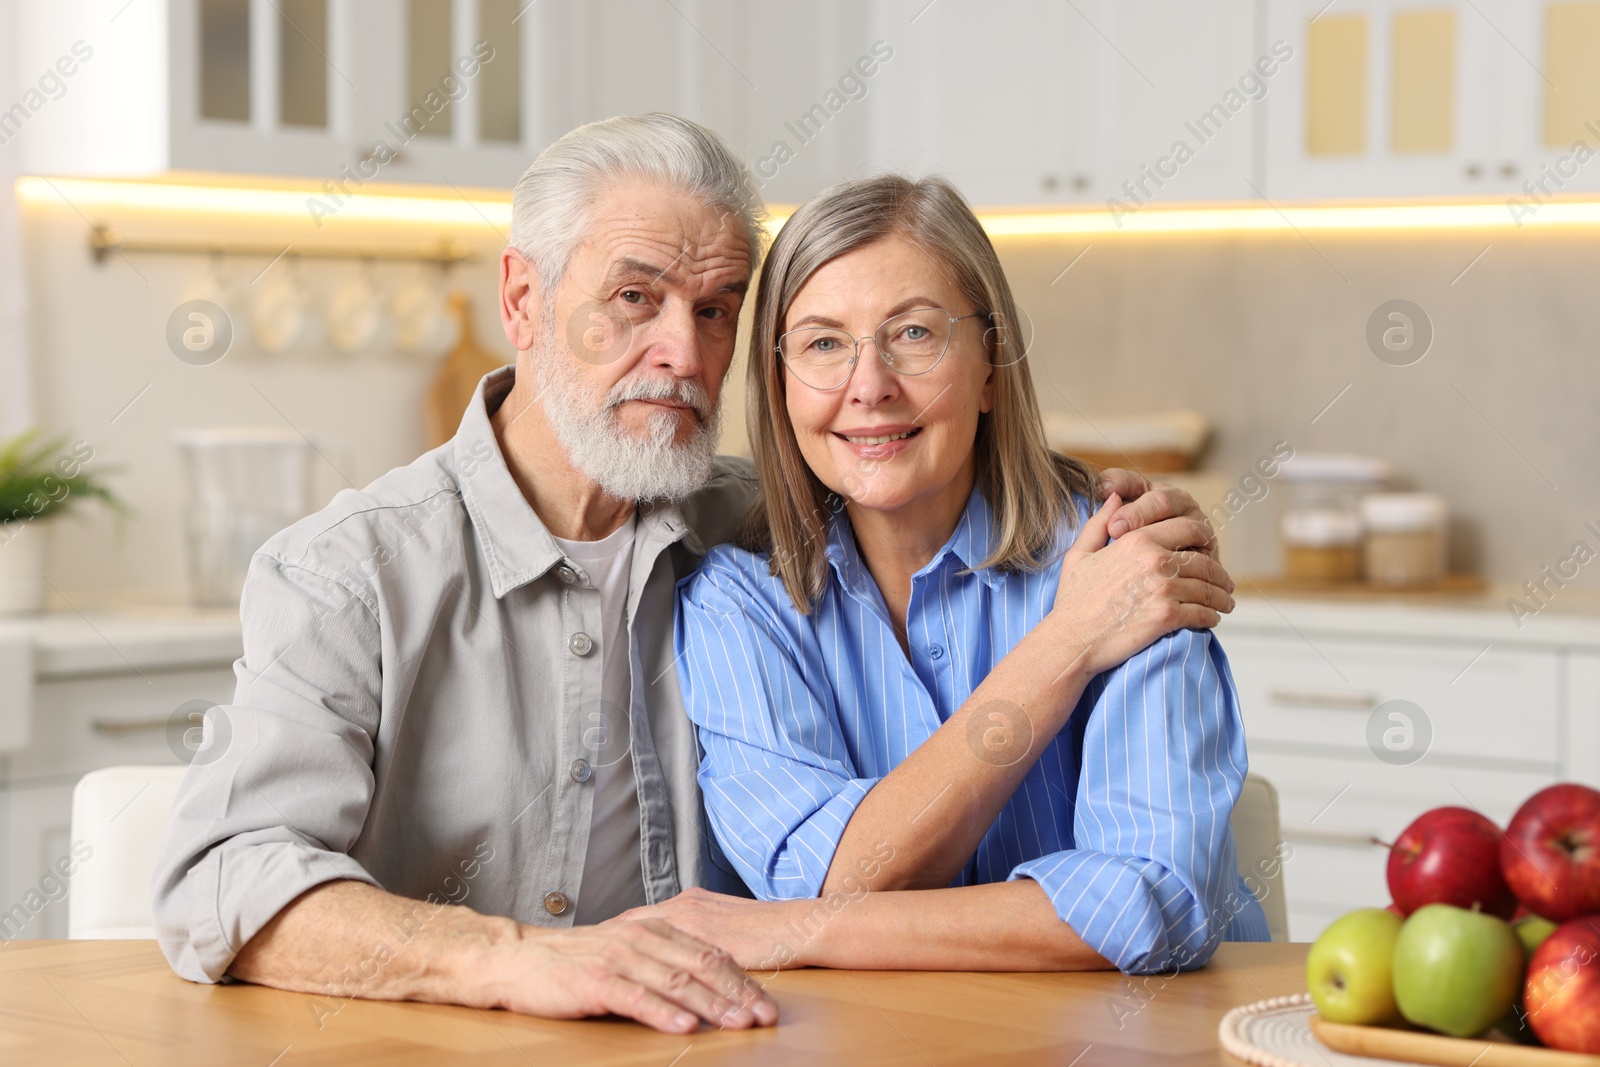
<point x="1264" y="334"/>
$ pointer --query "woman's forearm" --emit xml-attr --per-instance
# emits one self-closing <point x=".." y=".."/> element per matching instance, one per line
<point x="934" y="808"/>
<point x="1002" y="926"/>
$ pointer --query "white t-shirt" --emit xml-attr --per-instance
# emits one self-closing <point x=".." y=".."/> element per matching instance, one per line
<point x="613" y="880"/>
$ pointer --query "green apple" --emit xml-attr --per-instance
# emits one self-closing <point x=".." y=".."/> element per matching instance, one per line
<point x="1348" y="969"/>
<point x="1456" y="971"/>
<point x="1531" y="931"/>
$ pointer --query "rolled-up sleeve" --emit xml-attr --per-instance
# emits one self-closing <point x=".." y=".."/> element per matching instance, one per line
<point x="277" y="796"/>
<point x="779" y="784"/>
<point x="1153" y="882"/>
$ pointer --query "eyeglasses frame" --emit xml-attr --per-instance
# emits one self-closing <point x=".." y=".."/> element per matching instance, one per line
<point x="855" y="357"/>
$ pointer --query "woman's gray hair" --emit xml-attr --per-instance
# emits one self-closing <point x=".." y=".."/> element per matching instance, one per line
<point x="550" y="208"/>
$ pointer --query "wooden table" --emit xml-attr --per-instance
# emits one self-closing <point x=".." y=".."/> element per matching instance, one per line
<point x="116" y="1002"/>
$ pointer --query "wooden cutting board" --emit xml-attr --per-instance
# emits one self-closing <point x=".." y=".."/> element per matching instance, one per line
<point x="1415" y="1046"/>
<point x="458" y="376"/>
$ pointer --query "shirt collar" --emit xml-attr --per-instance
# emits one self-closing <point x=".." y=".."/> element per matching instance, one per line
<point x="517" y="545"/>
<point x="970" y="544"/>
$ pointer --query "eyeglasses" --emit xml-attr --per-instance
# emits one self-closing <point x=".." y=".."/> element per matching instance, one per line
<point x="910" y="343"/>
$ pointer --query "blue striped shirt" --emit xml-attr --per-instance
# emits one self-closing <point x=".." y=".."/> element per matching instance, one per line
<point x="1123" y="821"/>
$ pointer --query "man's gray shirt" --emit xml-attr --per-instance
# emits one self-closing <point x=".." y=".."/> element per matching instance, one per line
<point x="418" y="708"/>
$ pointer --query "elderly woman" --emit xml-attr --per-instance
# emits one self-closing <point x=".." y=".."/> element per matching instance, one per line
<point x="925" y="670"/>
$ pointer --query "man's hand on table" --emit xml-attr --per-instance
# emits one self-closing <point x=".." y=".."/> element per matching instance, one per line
<point x="648" y="970"/>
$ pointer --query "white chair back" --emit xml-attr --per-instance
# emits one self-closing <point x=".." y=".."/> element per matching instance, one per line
<point x="120" y="815"/>
<point x="1257" y="839"/>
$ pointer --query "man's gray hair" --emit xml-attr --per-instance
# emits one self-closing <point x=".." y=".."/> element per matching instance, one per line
<point x="550" y="208"/>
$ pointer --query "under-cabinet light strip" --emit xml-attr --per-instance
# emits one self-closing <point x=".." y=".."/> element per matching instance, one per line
<point x="474" y="212"/>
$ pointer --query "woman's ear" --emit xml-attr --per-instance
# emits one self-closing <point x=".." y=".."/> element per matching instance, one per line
<point x="986" y="396"/>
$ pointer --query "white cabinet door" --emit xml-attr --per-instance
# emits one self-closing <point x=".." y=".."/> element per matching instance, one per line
<point x="1177" y="100"/>
<point x="1386" y="98"/>
<point x="1582" y="748"/>
<point x="1500" y="708"/>
<point x="994" y="96"/>
<point x="80" y="725"/>
<point x="798" y="98"/>
<point x="1546" y="100"/>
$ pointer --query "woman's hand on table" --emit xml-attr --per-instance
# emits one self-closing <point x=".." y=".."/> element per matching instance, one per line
<point x="1114" y="599"/>
<point x="653" y="971"/>
<point x="749" y="930"/>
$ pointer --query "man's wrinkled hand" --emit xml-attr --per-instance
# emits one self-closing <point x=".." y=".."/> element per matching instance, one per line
<point x="1146" y="503"/>
<point x="648" y="970"/>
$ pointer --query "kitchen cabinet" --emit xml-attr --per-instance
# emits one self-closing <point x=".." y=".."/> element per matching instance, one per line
<point x="792" y="86"/>
<point x="343" y="91"/>
<point x="1042" y="102"/>
<point x="1027" y="102"/>
<point x="997" y="97"/>
<point x="105" y="691"/>
<point x="1175" y="100"/>
<point x="1365" y="716"/>
<point x="1400" y="98"/>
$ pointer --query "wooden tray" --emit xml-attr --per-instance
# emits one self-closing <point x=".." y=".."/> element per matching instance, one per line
<point x="1451" y="585"/>
<point x="1415" y="1046"/>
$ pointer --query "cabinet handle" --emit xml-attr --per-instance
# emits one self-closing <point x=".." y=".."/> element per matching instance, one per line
<point x="118" y="727"/>
<point x="1312" y="835"/>
<point x="1320" y="698"/>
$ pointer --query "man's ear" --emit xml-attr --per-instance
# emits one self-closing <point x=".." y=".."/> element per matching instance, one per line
<point x="520" y="299"/>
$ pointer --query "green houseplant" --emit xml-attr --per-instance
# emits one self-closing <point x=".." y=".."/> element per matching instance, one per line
<point x="39" y="479"/>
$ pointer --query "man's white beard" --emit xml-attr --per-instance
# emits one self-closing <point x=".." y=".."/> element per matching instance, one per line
<point x="626" y="466"/>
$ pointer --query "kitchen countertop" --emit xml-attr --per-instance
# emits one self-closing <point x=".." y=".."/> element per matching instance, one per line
<point x="1572" y="617"/>
<point x="115" y="639"/>
<point x="69" y="643"/>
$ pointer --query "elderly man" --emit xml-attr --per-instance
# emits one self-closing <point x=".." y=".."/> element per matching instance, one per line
<point x="457" y="743"/>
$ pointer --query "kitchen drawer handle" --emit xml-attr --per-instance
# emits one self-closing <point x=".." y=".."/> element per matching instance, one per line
<point x="1322" y="698"/>
<point x="1312" y="835"/>
<point x="118" y="727"/>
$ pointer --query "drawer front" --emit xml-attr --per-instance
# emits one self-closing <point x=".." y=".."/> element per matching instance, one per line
<point x="1330" y="808"/>
<point x="1503" y="706"/>
<point x="1324" y="881"/>
<point x="81" y="724"/>
<point x="1334" y="800"/>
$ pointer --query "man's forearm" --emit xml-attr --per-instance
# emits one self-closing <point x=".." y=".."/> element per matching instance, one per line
<point x="348" y="939"/>
<point x="1003" y="926"/>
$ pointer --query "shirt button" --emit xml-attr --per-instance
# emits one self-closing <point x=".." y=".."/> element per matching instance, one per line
<point x="936" y="651"/>
<point x="567" y="575"/>
<point x="555" y="902"/>
<point x="581" y="771"/>
<point x="581" y="644"/>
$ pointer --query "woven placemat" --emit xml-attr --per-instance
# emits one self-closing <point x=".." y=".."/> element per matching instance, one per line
<point x="1277" y="1033"/>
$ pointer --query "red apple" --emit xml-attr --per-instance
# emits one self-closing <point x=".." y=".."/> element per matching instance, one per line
<point x="1449" y="856"/>
<point x="1551" y="852"/>
<point x="1562" y="991"/>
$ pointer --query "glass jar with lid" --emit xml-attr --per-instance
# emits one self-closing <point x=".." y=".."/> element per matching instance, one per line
<point x="1405" y="538"/>
<point x="1321" y="527"/>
